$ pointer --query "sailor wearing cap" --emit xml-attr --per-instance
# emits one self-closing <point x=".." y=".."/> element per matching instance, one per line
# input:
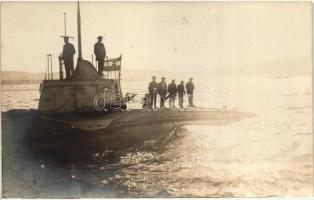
<point x="67" y="55"/>
<point x="100" y="53"/>
<point x="181" y="93"/>
<point x="152" y="89"/>
<point x="162" y="91"/>
<point x="189" y="90"/>
<point x="172" y="89"/>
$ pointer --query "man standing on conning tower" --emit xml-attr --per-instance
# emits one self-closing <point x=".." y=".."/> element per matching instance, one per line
<point x="100" y="53"/>
<point x="67" y="55"/>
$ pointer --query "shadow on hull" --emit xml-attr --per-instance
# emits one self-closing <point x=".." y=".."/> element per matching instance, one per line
<point x="71" y="136"/>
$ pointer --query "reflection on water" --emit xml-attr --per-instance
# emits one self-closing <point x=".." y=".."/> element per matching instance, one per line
<point x="268" y="155"/>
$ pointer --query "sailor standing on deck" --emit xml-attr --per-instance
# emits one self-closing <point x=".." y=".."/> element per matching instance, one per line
<point x="189" y="90"/>
<point x="162" y="91"/>
<point x="172" y="89"/>
<point x="67" y="55"/>
<point x="181" y="93"/>
<point x="152" y="88"/>
<point x="100" y="53"/>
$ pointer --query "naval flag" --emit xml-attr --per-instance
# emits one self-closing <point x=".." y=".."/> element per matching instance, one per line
<point x="113" y="64"/>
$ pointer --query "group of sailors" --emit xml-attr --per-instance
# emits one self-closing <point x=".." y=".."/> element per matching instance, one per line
<point x="69" y="51"/>
<point x="162" y="89"/>
<point x="169" y="92"/>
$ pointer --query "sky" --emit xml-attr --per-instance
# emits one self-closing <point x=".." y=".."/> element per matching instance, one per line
<point x="176" y="36"/>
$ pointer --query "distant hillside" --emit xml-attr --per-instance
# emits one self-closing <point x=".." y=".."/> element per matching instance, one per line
<point x="19" y="77"/>
<point x="271" y="69"/>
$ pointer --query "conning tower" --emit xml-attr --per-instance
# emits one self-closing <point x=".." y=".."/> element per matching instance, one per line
<point x="81" y="93"/>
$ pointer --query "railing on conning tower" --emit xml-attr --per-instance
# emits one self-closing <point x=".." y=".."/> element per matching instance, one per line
<point x="112" y="67"/>
<point x="49" y="71"/>
<point x="49" y="68"/>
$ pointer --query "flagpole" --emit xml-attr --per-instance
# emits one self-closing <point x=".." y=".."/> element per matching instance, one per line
<point x="65" y="23"/>
<point x="79" y="32"/>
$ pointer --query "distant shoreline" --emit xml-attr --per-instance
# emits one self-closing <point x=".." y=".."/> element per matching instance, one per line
<point x="20" y="77"/>
<point x="19" y="82"/>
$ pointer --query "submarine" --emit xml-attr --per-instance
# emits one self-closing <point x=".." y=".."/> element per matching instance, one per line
<point x="89" y="112"/>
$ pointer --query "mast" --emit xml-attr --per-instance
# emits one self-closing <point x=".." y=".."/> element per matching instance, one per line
<point x="79" y="32"/>
<point x="65" y="24"/>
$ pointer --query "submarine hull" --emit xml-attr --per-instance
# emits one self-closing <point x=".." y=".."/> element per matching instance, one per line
<point x="95" y="132"/>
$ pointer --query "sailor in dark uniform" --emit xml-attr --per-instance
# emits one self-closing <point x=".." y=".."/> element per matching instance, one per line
<point x="181" y="93"/>
<point x="172" y="89"/>
<point x="100" y="53"/>
<point x="189" y="90"/>
<point x="67" y="55"/>
<point x="162" y="91"/>
<point x="152" y="88"/>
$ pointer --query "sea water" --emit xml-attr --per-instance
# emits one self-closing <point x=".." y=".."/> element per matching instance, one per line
<point x="270" y="154"/>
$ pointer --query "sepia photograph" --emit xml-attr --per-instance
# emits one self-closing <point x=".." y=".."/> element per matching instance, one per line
<point x="108" y="99"/>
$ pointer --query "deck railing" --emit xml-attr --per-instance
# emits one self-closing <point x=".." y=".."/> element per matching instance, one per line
<point x="112" y="67"/>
